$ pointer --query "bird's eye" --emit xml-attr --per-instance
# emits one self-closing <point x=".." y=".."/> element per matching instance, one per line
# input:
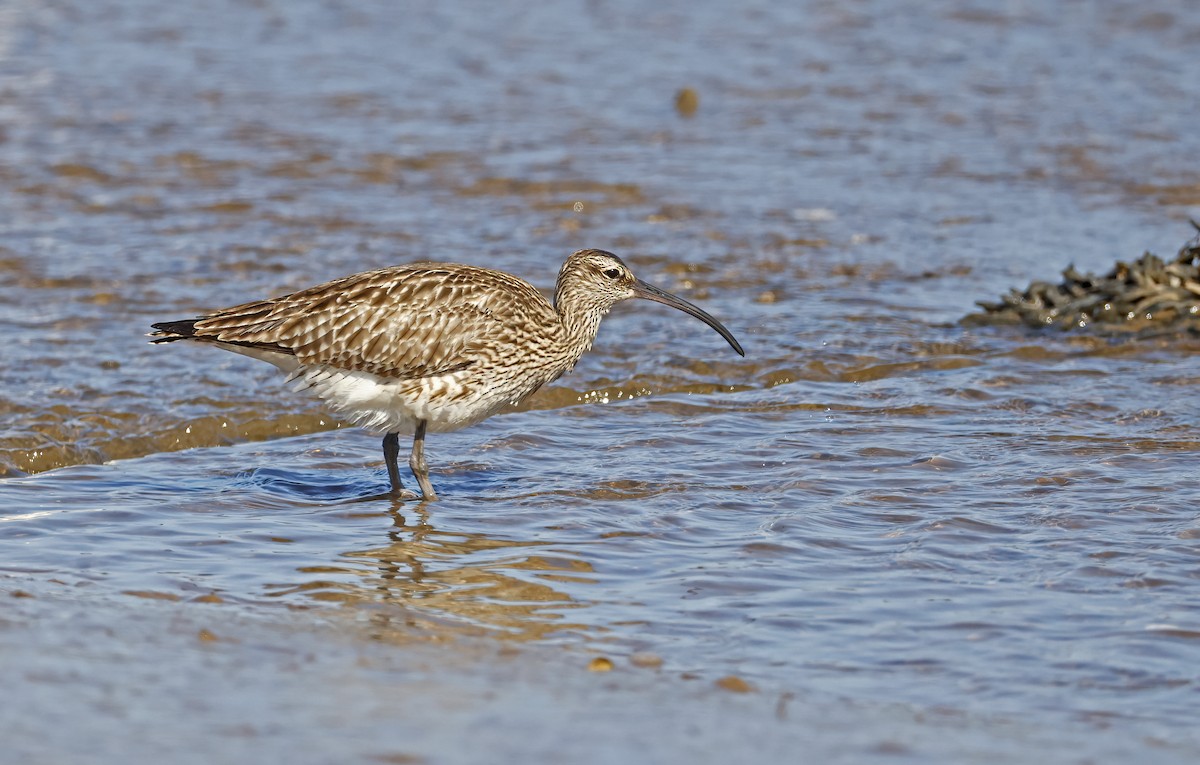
<point x="612" y="273"/>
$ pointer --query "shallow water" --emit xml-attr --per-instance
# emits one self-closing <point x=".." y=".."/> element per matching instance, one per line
<point x="979" y="535"/>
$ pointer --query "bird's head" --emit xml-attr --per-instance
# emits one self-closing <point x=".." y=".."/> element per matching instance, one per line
<point x="591" y="282"/>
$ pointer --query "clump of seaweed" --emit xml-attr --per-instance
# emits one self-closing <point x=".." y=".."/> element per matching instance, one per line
<point x="1149" y="292"/>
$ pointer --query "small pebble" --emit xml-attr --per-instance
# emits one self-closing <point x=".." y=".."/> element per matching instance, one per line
<point x="687" y="101"/>
<point x="734" y="684"/>
<point x="600" y="664"/>
<point x="648" y="660"/>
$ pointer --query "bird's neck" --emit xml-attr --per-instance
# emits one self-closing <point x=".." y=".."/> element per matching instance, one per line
<point x="581" y="322"/>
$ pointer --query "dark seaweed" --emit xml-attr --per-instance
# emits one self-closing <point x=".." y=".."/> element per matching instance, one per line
<point x="1149" y="292"/>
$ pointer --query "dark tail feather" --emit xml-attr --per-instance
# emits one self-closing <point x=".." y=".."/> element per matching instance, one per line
<point x="169" y="331"/>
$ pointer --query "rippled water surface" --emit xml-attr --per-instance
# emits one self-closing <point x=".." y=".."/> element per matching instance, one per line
<point x="904" y="536"/>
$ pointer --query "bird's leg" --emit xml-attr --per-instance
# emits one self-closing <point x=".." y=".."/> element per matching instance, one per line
<point x="416" y="461"/>
<point x="391" y="450"/>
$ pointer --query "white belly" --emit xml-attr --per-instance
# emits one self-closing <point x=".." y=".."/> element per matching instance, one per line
<point x="387" y="405"/>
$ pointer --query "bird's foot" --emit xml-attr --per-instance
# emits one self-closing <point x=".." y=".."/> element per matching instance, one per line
<point x="389" y="496"/>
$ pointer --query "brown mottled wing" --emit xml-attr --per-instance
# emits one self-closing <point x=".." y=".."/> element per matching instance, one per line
<point x="408" y="321"/>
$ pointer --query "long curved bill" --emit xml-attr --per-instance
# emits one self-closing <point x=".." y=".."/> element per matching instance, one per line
<point x="650" y="292"/>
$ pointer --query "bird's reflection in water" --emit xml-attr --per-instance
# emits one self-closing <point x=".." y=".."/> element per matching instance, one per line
<point x="472" y="578"/>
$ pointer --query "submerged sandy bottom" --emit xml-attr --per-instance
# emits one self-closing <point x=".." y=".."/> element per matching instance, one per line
<point x="110" y="680"/>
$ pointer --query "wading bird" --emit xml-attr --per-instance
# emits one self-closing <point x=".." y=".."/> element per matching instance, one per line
<point x="428" y="346"/>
